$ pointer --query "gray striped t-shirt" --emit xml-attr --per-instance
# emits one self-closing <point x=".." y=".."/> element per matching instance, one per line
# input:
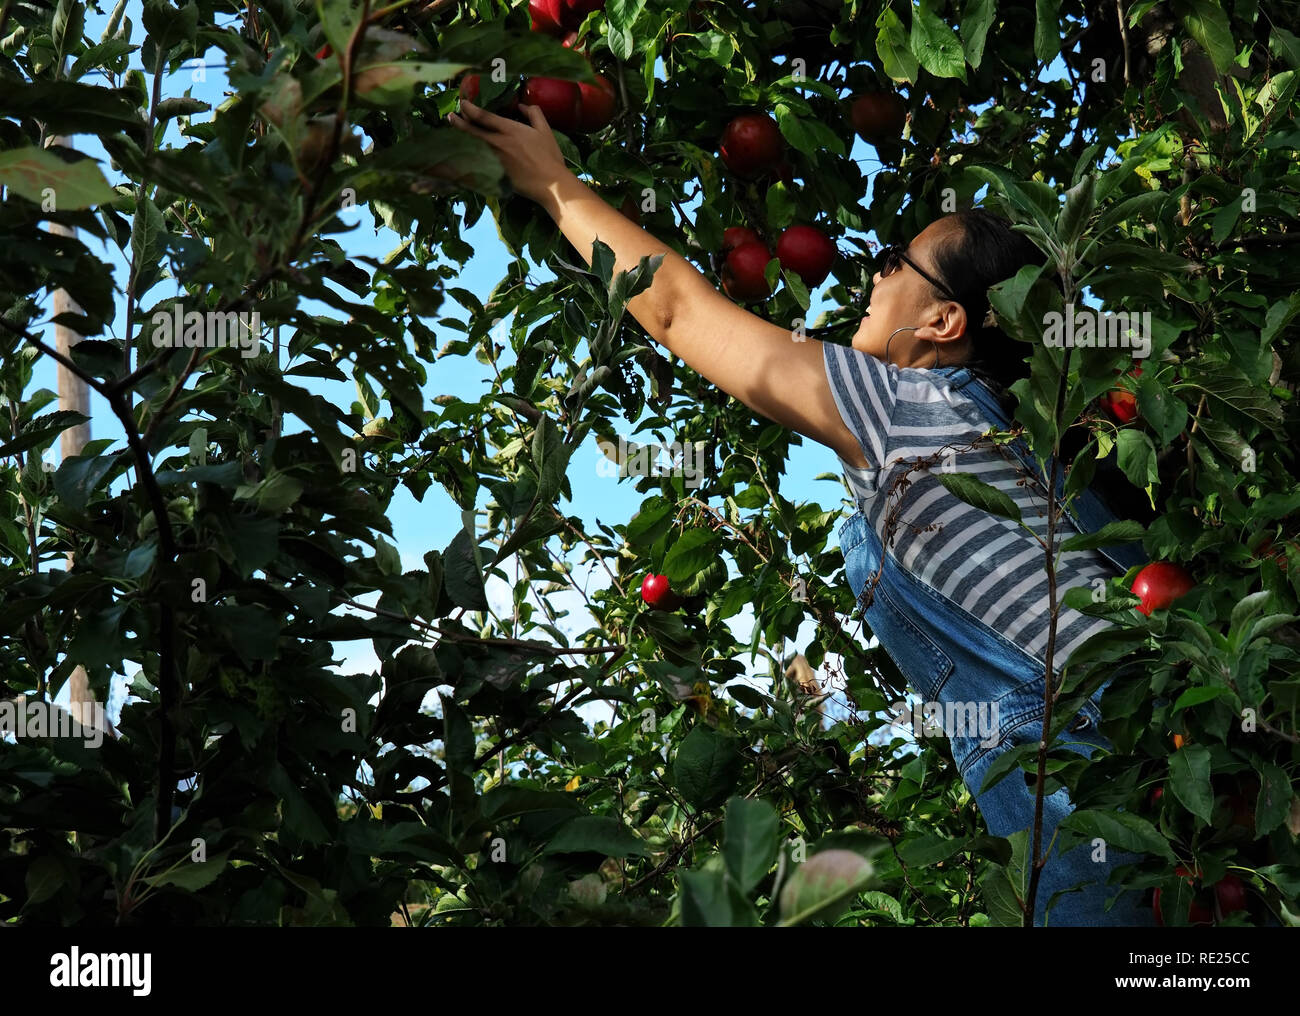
<point x="987" y="566"/>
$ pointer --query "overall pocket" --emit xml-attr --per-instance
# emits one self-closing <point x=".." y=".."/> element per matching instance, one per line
<point x="1019" y="720"/>
<point x="926" y="666"/>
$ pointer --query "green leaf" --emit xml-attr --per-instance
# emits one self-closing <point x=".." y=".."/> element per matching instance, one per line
<point x="796" y="131"/>
<point x="690" y="554"/>
<point x="797" y="289"/>
<point x="457" y="735"/>
<point x="1137" y="457"/>
<point x="976" y="19"/>
<point x="67" y="29"/>
<point x="883" y="903"/>
<point x="1008" y="296"/>
<point x="148" y="243"/>
<point x="45" y="876"/>
<point x="273" y="495"/>
<point x="822" y="887"/>
<point x="598" y="834"/>
<point x="1225" y="383"/>
<point x="79" y="476"/>
<point x="1047" y="29"/>
<point x="710" y="901"/>
<point x="1195" y="696"/>
<point x="191" y="875"/>
<point x="623" y="14"/>
<point x="975" y="491"/>
<point x="181" y="105"/>
<point x="1160" y="408"/>
<point x="31" y="171"/>
<point x="931" y="848"/>
<point x="894" y="48"/>
<point x="1109" y="535"/>
<point x="551" y="459"/>
<point x="781" y="207"/>
<point x="1034" y="200"/>
<point x="706" y="767"/>
<point x="1189" y="776"/>
<point x="1080" y="200"/>
<point x="1248" y="607"/>
<point x="1274" y="803"/>
<point x="299" y="816"/>
<point x="749" y="697"/>
<point x="140" y="559"/>
<point x="223" y="474"/>
<point x="252" y="630"/>
<point x="461" y="577"/>
<point x="651" y="522"/>
<point x="1120" y="829"/>
<point x="393" y="83"/>
<point x="387" y="557"/>
<point x="41" y="429"/>
<point x="505" y="801"/>
<point x="1286" y="45"/>
<point x="935" y="45"/>
<point x="752" y="841"/>
<point x="1207" y="22"/>
<point x="338" y="20"/>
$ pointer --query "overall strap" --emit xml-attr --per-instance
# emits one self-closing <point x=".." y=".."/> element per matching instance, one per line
<point x="1087" y="512"/>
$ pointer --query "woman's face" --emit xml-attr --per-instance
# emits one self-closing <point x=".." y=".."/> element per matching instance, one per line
<point x="906" y="298"/>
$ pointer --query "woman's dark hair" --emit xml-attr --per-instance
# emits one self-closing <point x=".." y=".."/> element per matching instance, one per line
<point x="985" y="251"/>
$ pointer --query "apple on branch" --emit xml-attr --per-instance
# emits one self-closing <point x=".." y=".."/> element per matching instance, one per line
<point x="807" y="252"/>
<point x="751" y="144"/>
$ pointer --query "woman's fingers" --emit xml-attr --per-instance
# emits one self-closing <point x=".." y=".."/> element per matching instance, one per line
<point x="535" y="117"/>
<point x="483" y="117"/>
<point x="460" y="123"/>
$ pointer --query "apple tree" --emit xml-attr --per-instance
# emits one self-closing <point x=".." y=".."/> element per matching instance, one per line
<point x="239" y="529"/>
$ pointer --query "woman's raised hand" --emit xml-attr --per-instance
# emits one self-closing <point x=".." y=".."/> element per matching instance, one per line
<point x="528" y="152"/>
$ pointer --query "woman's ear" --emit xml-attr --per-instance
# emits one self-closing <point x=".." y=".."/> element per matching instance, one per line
<point x="949" y="324"/>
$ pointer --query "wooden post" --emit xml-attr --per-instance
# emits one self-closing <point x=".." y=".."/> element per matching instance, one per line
<point x="74" y="395"/>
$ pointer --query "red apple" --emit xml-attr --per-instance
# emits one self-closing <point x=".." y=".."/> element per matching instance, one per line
<point x="878" y="116"/>
<point x="568" y="41"/>
<point x="596" y="104"/>
<point x="572" y="12"/>
<point x="469" y="86"/>
<point x="1230" y="893"/>
<point x="751" y="143"/>
<point x="1270" y="549"/>
<point x="1159" y="584"/>
<point x="657" y="594"/>
<point x="742" y="273"/>
<point x="807" y="252"/>
<point x="734" y="236"/>
<point x="1196" y="913"/>
<point x="1121" y="403"/>
<point x="560" y="101"/>
<point x="546" y="16"/>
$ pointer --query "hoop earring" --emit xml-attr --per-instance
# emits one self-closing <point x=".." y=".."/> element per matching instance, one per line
<point x="913" y="328"/>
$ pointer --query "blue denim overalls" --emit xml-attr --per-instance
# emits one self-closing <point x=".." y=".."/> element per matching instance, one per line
<point x="949" y="656"/>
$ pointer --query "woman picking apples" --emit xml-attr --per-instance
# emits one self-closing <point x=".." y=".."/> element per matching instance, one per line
<point x="957" y="596"/>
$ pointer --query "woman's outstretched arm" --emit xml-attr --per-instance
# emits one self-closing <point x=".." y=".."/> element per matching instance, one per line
<point x="746" y="356"/>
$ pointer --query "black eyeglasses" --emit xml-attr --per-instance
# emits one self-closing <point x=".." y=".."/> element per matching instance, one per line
<point x="893" y="257"/>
